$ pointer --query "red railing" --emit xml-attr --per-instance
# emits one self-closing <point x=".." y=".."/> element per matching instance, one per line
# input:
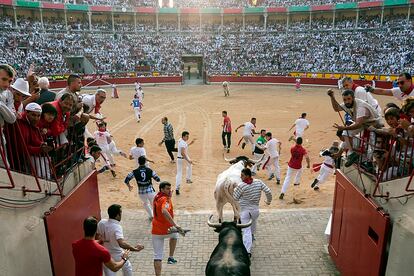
<point x="385" y="158"/>
<point x="51" y="167"/>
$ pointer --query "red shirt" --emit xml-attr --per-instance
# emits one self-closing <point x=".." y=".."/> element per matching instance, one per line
<point x="89" y="257"/>
<point x="297" y="152"/>
<point x="160" y="224"/>
<point x="31" y="136"/>
<point x="60" y="123"/>
<point x="226" y="124"/>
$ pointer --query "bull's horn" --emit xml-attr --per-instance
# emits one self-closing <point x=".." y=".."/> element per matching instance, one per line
<point x="215" y="225"/>
<point x="228" y="160"/>
<point x="245" y="224"/>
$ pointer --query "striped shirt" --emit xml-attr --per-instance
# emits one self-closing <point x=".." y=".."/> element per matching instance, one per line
<point x="168" y="132"/>
<point x="248" y="195"/>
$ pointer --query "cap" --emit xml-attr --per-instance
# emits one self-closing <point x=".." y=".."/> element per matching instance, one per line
<point x="34" y="107"/>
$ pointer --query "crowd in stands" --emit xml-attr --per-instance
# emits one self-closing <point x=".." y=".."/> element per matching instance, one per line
<point x="207" y="3"/>
<point x="224" y="53"/>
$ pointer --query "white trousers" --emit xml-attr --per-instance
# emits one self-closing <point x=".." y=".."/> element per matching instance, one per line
<point x="41" y="165"/>
<point x="106" y="152"/>
<point x="324" y="173"/>
<point x="272" y="166"/>
<point x="289" y="174"/>
<point x="147" y="202"/>
<point x="126" y="269"/>
<point x="179" y="175"/>
<point x="137" y="111"/>
<point x="249" y="139"/>
<point x="249" y="231"/>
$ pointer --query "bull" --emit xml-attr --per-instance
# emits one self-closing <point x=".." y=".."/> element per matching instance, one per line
<point x="227" y="181"/>
<point x="230" y="257"/>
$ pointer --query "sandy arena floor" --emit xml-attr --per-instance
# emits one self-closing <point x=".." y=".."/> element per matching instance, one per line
<point x="197" y="109"/>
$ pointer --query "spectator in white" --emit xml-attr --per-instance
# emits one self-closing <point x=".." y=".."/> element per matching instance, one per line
<point x="300" y="125"/>
<point x="248" y="194"/>
<point x="144" y="175"/>
<point x="340" y="84"/>
<point x="7" y="111"/>
<point x="45" y="94"/>
<point x="96" y="152"/>
<point x="181" y="156"/>
<point x="93" y="103"/>
<point x="273" y="148"/>
<point x="363" y="115"/>
<point x="20" y="90"/>
<point x="248" y="133"/>
<point x="404" y="90"/>
<point x="111" y="234"/>
<point x="138" y="151"/>
<point x="361" y="93"/>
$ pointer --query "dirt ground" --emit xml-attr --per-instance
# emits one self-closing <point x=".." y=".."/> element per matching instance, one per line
<point x="197" y="109"/>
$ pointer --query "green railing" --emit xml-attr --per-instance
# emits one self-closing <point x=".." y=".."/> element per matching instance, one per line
<point x="346" y="6"/>
<point x="299" y="9"/>
<point x="254" y="10"/>
<point x="27" y="4"/>
<point x="73" y="7"/>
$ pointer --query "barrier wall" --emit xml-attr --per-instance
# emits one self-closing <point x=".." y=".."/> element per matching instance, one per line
<point x="290" y="80"/>
<point x="64" y="224"/>
<point x="104" y="81"/>
<point x="359" y="231"/>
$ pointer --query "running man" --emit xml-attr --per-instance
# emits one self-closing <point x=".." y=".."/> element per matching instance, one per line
<point x="248" y="133"/>
<point x="327" y="168"/>
<point x="273" y="148"/>
<point x="181" y="156"/>
<point x="300" y="125"/>
<point x="168" y="138"/>
<point x="297" y="84"/>
<point x="259" y="151"/>
<point x="144" y="175"/>
<point x="226" y="88"/>
<point x="295" y="167"/>
<point x="226" y="131"/>
<point x="138" y="151"/>
<point x="136" y="104"/>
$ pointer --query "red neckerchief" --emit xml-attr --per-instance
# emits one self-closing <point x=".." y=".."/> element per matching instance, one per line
<point x="97" y="107"/>
<point x="354" y="86"/>
<point x="248" y="181"/>
<point x="408" y="91"/>
<point x="156" y="198"/>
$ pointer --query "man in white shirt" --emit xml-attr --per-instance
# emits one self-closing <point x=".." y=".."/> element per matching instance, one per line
<point x="248" y="133"/>
<point x="362" y="113"/>
<point x="139" y="151"/>
<point x="248" y="194"/>
<point x="182" y="155"/>
<point x="361" y="93"/>
<point x="93" y="103"/>
<point x="404" y="90"/>
<point x="111" y="234"/>
<point x="272" y="147"/>
<point x="300" y="125"/>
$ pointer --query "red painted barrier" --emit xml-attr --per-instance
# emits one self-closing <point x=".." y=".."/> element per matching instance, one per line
<point x="64" y="224"/>
<point x="174" y="79"/>
<point x="359" y="231"/>
<point x="287" y="80"/>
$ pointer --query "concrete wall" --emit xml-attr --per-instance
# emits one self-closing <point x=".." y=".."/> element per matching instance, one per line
<point x="24" y="249"/>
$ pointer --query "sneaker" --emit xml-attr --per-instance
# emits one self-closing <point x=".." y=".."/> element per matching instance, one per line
<point x="189" y="181"/>
<point x="172" y="161"/>
<point x="171" y="260"/>
<point x="225" y="147"/>
<point x="352" y="158"/>
<point x="228" y="150"/>
<point x="281" y="196"/>
<point x="278" y="181"/>
<point x="243" y="145"/>
<point x="291" y="138"/>
<point x="296" y="184"/>
<point x="316" y="187"/>
<point x="250" y="255"/>
<point x="315" y="182"/>
<point x="271" y="177"/>
<point x="113" y="173"/>
<point x="177" y="192"/>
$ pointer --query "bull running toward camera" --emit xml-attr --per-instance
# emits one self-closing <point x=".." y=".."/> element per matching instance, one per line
<point x="227" y="181"/>
<point x="230" y="257"/>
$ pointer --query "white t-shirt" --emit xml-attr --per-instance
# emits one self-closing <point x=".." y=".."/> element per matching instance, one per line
<point x="397" y="93"/>
<point x="139" y="94"/>
<point x="271" y="148"/>
<point x="101" y="138"/>
<point x="111" y="231"/>
<point x="362" y="94"/>
<point x="248" y="127"/>
<point x="182" y="145"/>
<point x="301" y="124"/>
<point x="137" y="152"/>
<point x="340" y="84"/>
<point x="90" y="102"/>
